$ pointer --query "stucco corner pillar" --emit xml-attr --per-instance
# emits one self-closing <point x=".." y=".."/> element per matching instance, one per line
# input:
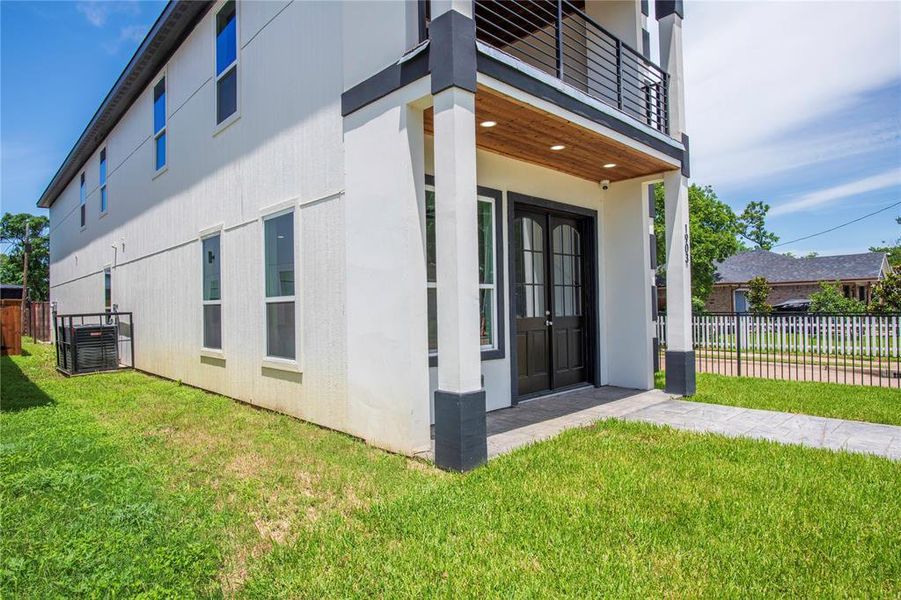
<point x="680" y="358"/>
<point x="460" y="428"/>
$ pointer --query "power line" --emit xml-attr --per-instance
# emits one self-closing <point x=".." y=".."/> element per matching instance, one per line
<point x="807" y="237"/>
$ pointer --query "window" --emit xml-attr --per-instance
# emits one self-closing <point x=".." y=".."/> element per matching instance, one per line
<point x="212" y="293"/>
<point x="83" y="199"/>
<point x="108" y="289"/>
<point x="488" y="284"/>
<point x="159" y="123"/>
<point x="862" y="293"/>
<point x="278" y="241"/>
<point x="741" y="301"/>
<point x="226" y="62"/>
<point x="103" y="199"/>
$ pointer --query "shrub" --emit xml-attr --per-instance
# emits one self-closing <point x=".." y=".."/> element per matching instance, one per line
<point x="831" y="300"/>
<point x="887" y="295"/>
<point x="757" y="296"/>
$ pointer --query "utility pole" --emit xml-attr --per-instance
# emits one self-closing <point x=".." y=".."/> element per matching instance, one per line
<point x="27" y="248"/>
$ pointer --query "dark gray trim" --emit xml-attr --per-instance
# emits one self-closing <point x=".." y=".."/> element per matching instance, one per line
<point x="680" y="372"/>
<point x="497" y="196"/>
<point x="665" y="8"/>
<point x="384" y="82"/>
<point x="452" y="59"/>
<point x="645" y="7"/>
<point x="514" y="199"/>
<point x="652" y="201"/>
<point x="686" y="157"/>
<point x="171" y="28"/>
<point x="655" y="344"/>
<point x="646" y="43"/>
<point x="522" y="81"/>
<point x="461" y="433"/>
<point x="652" y="243"/>
<point x="655" y="313"/>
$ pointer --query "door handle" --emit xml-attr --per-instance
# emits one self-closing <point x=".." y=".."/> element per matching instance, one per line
<point x="548" y="323"/>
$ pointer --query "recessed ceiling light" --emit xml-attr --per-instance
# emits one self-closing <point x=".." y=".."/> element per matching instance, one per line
<point x="488" y="123"/>
<point x="558" y="147"/>
<point x="609" y="165"/>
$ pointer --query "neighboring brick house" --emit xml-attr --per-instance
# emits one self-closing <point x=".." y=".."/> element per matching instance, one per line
<point x="794" y="278"/>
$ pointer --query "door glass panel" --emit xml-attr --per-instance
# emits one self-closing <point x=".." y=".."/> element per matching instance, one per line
<point x="529" y="267"/>
<point x="567" y="271"/>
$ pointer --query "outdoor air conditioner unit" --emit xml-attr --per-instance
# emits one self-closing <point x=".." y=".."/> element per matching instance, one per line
<point x="96" y="348"/>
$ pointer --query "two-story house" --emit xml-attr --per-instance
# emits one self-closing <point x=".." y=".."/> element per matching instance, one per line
<point x="380" y="216"/>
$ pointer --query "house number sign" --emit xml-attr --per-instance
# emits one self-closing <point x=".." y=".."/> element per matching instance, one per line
<point x="687" y="247"/>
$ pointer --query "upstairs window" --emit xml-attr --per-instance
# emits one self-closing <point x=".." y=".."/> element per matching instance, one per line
<point x="103" y="199"/>
<point x="278" y="234"/>
<point x="83" y="200"/>
<point x="226" y="62"/>
<point x="212" y="294"/>
<point x="159" y="123"/>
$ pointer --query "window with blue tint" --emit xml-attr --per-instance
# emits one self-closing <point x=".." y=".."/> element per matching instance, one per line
<point x="159" y="105"/>
<point x="103" y="199"/>
<point x="226" y="37"/>
<point x="159" y="123"/>
<point x="161" y="151"/>
<point x="226" y="62"/>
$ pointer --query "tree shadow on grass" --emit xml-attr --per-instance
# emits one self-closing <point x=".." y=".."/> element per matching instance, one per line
<point x="17" y="391"/>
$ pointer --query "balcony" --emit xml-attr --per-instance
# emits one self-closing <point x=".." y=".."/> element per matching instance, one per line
<point x="558" y="38"/>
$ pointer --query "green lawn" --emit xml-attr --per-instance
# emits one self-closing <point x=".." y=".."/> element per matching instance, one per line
<point x="124" y="484"/>
<point x="857" y="402"/>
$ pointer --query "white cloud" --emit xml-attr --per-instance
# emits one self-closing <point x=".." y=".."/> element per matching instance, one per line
<point x="97" y="12"/>
<point x="130" y="35"/>
<point x="825" y="196"/>
<point x="757" y="71"/>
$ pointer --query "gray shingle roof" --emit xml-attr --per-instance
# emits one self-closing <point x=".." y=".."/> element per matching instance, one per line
<point x="779" y="268"/>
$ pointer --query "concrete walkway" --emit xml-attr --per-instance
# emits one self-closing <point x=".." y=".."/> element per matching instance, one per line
<point x="546" y="417"/>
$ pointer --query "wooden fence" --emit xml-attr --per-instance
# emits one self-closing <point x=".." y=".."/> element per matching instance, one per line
<point x="10" y="329"/>
<point x="846" y="348"/>
<point x="38" y="325"/>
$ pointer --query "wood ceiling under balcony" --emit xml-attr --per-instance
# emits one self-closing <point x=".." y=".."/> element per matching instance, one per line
<point x="526" y="133"/>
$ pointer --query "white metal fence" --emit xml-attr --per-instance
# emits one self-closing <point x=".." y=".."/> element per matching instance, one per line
<point x="847" y="348"/>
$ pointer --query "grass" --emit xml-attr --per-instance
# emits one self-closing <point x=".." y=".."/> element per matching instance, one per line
<point x="125" y="484"/>
<point x="840" y="401"/>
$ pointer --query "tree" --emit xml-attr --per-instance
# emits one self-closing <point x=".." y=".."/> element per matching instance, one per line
<point x="713" y="229"/>
<point x="887" y="294"/>
<point x="893" y="250"/>
<point x="831" y="300"/>
<point x="752" y="226"/>
<point x="758" y="295"/>
<point x="12" y="235"/>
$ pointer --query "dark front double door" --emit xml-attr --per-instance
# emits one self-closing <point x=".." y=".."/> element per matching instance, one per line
<point x="551" y="265"/>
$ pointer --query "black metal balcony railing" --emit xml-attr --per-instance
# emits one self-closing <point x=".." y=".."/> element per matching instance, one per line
<point x="557" y="37"/>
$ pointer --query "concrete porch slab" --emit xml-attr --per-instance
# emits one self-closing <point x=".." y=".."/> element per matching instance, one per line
<point x="543" y="418"/>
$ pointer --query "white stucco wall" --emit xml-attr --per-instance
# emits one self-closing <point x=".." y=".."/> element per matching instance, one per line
<point x="285" y="149"/>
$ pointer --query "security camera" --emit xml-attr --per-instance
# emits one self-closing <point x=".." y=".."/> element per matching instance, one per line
<point x="605" y="184"/>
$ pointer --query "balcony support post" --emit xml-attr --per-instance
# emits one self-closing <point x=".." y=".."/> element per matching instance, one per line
<point x="669" y="17"/>
<point x="680" y="358"/>
<point x="460" y="425"/>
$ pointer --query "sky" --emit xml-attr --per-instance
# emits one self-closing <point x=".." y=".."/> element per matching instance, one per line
<point x="796" y="104"/>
